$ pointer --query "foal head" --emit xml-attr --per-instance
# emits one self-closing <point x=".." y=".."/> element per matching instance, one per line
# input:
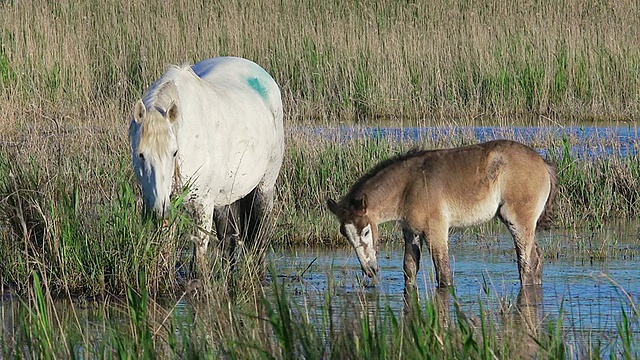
<point x="154" y="149"/>
<point x="358" y="228"/>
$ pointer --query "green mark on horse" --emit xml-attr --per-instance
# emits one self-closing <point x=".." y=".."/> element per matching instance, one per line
<point x="257" y="86"/>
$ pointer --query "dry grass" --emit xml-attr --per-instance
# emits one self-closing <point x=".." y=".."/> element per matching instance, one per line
<point x="443" y="61"/>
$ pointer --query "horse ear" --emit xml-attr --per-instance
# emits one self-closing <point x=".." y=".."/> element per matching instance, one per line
<point x="172" y="112"/>
<point x="139" y="111"/>
<point x="334" y="207"/>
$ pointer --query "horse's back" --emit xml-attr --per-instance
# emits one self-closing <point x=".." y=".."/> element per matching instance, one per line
<point x="518" y="161"/>
<point x="485" y="161"/>
<point x="229" y="71"/>
<point x="513" y="166"/>
<point x="236" y="138"/>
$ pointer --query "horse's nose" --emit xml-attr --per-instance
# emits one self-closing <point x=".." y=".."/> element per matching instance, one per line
<point x="164" y="214"/>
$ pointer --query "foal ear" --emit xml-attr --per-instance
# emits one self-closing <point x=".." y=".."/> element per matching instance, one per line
<point x="360" y="204"/>
<point x="335" y="208"/>
<point x="139" y="111"/>
<point x="172" y="112"/>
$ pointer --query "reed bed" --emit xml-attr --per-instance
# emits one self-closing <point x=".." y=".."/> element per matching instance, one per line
<point x="77" y="220"/>
<point x="443" y="61"/>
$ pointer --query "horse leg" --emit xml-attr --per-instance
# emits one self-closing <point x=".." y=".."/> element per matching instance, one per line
<point x="227" y="231"/>
<point x="255" y="209"/>
<point x="536" y="263"/>
<point x="437" y="239"/>
<point x="204" y="220"/>
<point x="411" y="260"/>
<point x="529" y="255"/>
<point x="262" y="204"/>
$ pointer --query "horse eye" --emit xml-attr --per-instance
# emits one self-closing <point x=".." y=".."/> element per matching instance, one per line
<point x="175" y="153"/>
<point x="141" y="156"/>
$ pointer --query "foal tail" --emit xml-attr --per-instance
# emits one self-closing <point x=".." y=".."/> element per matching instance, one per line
<point x="545" y="220"/>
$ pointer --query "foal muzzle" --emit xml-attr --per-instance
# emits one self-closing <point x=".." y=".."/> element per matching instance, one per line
<point x="370" y="268"/>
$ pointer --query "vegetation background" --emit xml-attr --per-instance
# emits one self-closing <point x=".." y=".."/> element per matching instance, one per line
<point x="440" y="61"/>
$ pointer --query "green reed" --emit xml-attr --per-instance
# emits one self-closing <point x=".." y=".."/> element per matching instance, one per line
<point x="77" y="222"/>
<point x="605" y="187"/>
<point x="51" y="227"/>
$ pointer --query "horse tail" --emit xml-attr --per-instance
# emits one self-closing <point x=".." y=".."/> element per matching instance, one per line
<point x="545" y="220"/>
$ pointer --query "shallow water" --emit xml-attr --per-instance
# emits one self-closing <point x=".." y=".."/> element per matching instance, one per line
<point x="590" y="291"/>
<point x="589" y="140"/>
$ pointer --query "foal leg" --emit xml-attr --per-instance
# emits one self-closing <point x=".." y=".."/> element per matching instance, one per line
<point x="528" y="253"/>
<point x="437" y="239"/>
<point x="411" y="260"/>
<point x="527" y="250"/>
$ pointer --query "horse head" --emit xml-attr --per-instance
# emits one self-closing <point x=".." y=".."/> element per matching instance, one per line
<point x="154" y="150"/>
<point x="359" y="229"/>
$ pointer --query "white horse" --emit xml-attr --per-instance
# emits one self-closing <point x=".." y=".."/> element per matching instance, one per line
<point x="218" y="125"/>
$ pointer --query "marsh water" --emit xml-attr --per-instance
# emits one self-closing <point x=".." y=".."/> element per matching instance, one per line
<point x="590" y="277"/>
<point x="596" y="141"/>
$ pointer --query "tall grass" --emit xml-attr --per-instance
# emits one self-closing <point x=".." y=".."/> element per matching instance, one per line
<point x="601" y="189"/>
<point x="442" y="61"/>
<point x="51" y="227"/>
<point x="70" y="222"/>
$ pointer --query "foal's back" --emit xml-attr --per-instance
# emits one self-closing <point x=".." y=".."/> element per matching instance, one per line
<point x="468" y="185"/>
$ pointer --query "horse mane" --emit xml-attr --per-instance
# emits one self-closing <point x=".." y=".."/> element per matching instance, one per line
<point x="164" y="91"/>
<point x="356" y="188"/>
<point x="153" y="133"/>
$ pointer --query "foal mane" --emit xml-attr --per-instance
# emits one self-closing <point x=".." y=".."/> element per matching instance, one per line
<point x="354" y="192"/>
